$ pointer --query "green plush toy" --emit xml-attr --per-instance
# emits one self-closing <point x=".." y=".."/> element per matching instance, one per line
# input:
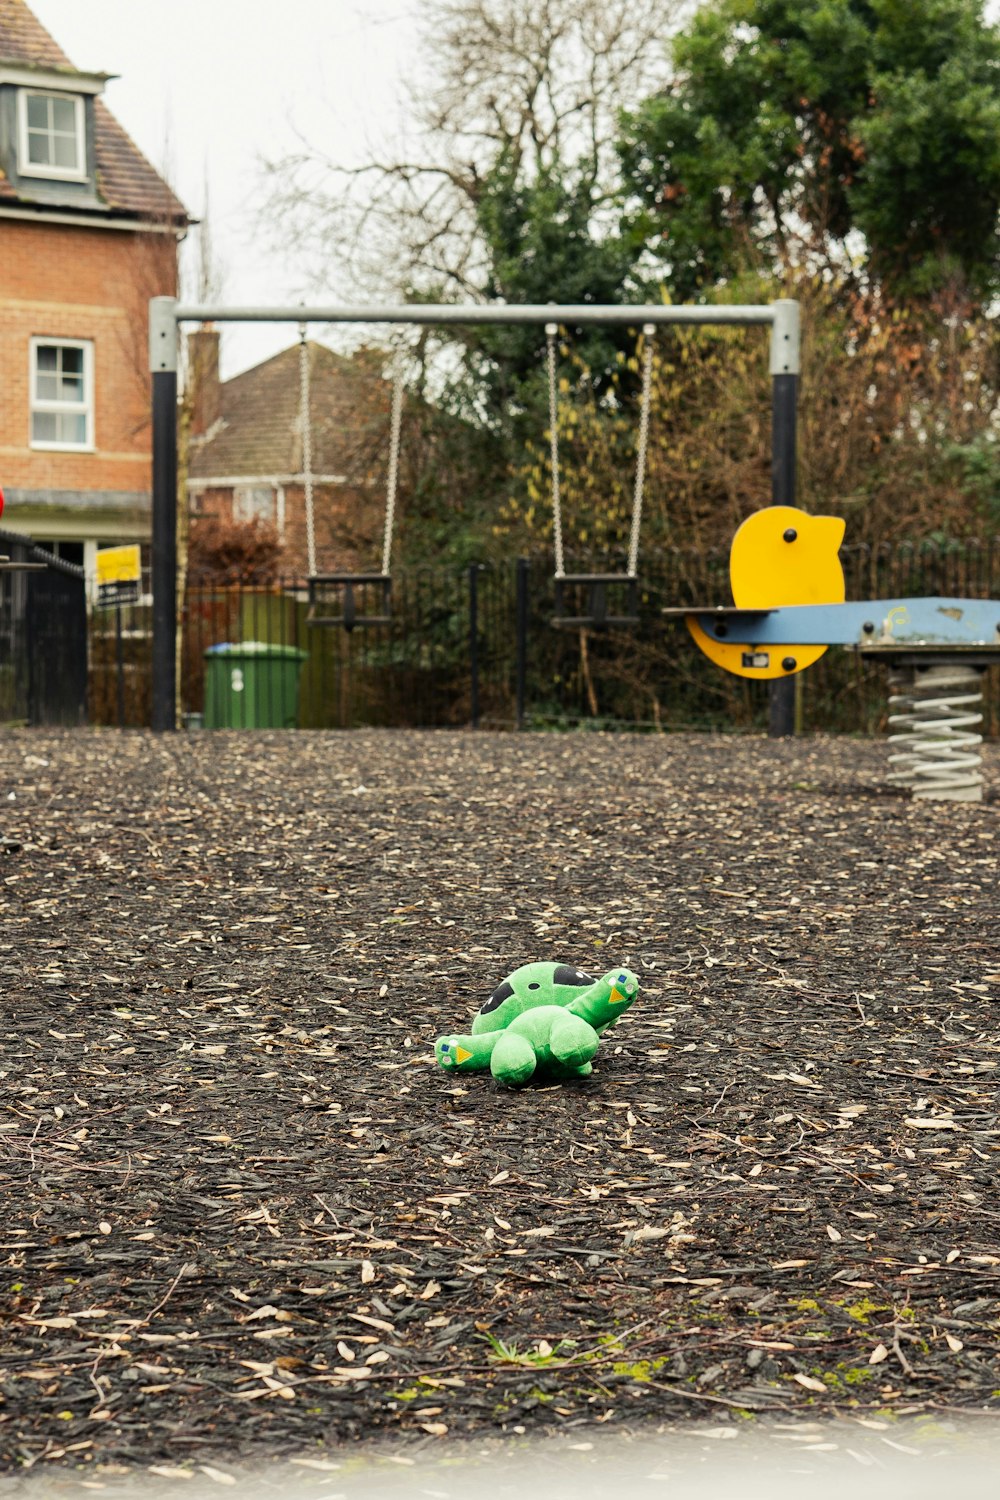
<point x="543" y="1016"/>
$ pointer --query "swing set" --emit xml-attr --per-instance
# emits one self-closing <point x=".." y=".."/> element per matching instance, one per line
<point x="596" y="585"/>
<point x="341" y="599"/>
<point x="332" y="596"/>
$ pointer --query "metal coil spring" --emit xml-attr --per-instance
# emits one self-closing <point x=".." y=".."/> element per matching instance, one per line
<point x="933" y="711"/>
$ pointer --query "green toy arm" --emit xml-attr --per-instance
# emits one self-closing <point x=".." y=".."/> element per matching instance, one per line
<point x="466" y="1054"/>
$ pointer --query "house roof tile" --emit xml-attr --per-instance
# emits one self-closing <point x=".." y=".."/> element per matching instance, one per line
<point x="23" y="38"/>
<point x="127" y="184"/>
<point x="260" y="435"/>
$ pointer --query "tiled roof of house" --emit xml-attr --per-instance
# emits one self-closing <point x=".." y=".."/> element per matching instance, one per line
<point x="23" y="38"/>
<point x="127" y="185"/>
<point x="259" y="434"/>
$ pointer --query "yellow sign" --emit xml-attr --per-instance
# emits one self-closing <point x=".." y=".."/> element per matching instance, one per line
<point x="119" y="575"/>
<point x="119" y="565"/>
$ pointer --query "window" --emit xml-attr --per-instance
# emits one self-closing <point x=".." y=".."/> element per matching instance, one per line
<point x="62" y="394"/>
<point x="52" y="135"/>
<point x="71" y="552"/>
<point x="253" y="503"/>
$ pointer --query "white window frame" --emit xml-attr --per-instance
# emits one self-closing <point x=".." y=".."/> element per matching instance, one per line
<point x="26" y="167"/>
<point x="34" y="404"/>
<point x="246" y="502"/>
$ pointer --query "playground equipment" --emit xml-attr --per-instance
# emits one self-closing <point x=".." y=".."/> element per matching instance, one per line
<point x="166" y="315"/>
<point x="544" y="1017"/>
<point x="333" y="597"/>
<point x="788" y="588"/>
<point x="596" y="585"/>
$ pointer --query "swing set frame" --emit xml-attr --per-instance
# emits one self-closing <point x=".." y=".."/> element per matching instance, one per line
<point x="167" y="314"/>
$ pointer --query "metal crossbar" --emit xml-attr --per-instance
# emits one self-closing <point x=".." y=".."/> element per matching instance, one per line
<point x="575" y="315"/>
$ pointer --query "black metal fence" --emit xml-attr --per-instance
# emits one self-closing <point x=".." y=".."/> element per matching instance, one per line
<point x="43" y="638"/>
<point x="481" y="646"/>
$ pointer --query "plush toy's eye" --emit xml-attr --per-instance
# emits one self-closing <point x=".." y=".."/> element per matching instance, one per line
<point x="500" y="994"/>
<point x="445" y="1047"/>
<point x="621" y="979"/>
<point x="534" y="986"/>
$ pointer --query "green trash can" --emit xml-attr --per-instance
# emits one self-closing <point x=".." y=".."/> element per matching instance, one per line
<point x="252" y="685"/>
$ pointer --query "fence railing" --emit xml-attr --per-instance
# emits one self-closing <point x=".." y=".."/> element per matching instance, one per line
<point x="480" y="646"/>
<point x="43" y="638"/>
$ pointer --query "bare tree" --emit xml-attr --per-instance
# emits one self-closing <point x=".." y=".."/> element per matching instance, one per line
<point x="534" y="84"/>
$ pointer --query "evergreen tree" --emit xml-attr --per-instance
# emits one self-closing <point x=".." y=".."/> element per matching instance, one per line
<point x="859" y="136"/>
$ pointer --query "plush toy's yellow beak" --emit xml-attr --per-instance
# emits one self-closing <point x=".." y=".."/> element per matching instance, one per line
<point x="460" y="1055"/>
<point x="616" y="997"/>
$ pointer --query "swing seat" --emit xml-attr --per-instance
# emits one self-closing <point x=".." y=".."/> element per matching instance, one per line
<point x="327" y="590"/>
<point x="596" y="586"/>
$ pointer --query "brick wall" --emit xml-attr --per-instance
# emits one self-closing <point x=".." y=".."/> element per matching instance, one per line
<point x="81" y="283"/>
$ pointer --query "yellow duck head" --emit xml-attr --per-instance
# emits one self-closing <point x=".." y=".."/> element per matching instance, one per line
<point x="782" y="556"/>
<point x="778" y="556"/>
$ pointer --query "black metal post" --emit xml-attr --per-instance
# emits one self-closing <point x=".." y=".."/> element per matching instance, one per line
<point x="164" y="559"/>
<point x="522" y="637"/>
<point x="120" y="666"/>
<point x="474" y="644"/>
<point x="784" y="401"/>
<point x="30" y="653"/>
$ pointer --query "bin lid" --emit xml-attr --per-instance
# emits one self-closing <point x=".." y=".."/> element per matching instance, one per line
<point x="239" y="649"/>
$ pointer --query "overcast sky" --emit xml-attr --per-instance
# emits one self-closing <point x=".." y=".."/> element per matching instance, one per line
<point x="208" y="86"/>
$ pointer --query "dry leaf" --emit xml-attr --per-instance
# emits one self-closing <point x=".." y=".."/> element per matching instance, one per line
<point x="345" y="1351"/>
<point x="367" y="1271"/>
<point x="953" y="1343"/>
<point x="281" y="1387"/>
<point x="878" y="1354"/>
<point x="217" y="1474"/>
<point x="834" y="1234"/>
<point x="810" y="1382"/>
<point x="372" y="1322"/>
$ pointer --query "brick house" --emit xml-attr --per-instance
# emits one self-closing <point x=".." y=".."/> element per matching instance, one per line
<point x="246" y="451"/>
<point x="88" y="233"/>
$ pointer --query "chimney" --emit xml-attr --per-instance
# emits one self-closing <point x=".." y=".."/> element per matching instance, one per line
<point x="203" y="373"/>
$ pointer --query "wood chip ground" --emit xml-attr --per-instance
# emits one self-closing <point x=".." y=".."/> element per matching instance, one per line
<point x="241" y="1210"/>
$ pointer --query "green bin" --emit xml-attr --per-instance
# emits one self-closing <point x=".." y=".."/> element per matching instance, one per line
<point x="252" y="685"/>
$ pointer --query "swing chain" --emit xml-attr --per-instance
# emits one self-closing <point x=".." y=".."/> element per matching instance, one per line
<point x="305" y="430"/>
<point x="551" y="332"/>
<point x="648" y="333"/>
<point x="395" y="429"/>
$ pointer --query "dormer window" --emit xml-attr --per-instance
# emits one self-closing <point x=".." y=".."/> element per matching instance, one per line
<point x="52" y="139"/>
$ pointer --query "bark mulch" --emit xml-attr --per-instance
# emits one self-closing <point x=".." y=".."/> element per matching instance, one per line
<point x="242" y="1211"/>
